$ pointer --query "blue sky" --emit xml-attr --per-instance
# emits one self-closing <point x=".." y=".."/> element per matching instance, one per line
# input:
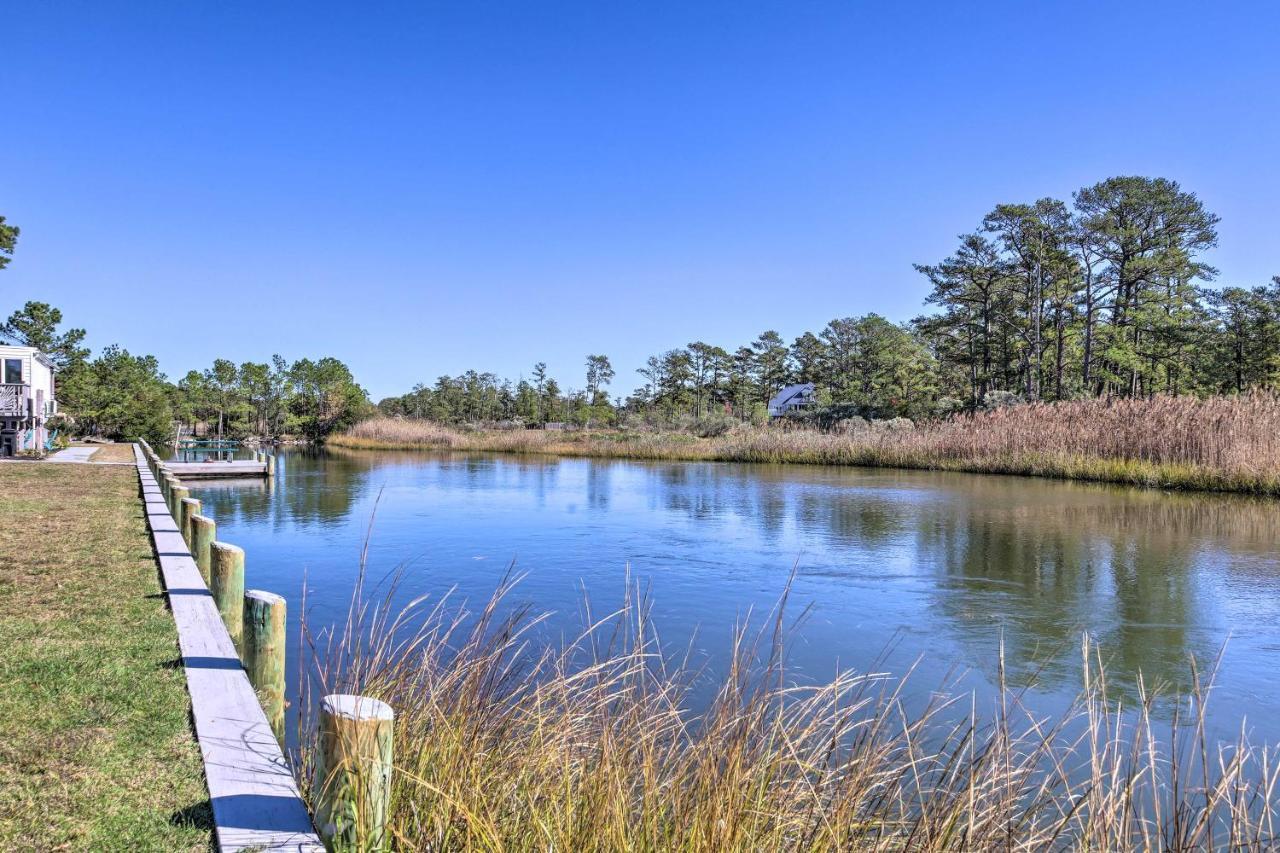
<point x="422" y="188"/>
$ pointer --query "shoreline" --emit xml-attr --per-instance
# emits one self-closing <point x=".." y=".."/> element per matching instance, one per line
<point x="838" y="451"/>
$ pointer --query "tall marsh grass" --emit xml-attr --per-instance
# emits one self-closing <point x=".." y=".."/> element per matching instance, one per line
<point x="1216" y="443"/>
<point x="506" y="742"/>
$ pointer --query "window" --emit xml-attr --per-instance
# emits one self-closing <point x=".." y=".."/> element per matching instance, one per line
<point x="13" y="371"/>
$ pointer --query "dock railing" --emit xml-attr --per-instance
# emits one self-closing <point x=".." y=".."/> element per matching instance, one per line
<point x="232" y="641"/>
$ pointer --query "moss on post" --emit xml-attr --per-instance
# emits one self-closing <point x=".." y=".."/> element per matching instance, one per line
<point x="351" y="790"/>
<point x="188" y="509"/>
<point x="263" y="652"/>
<point x="203" y="532"/>
<point x="226" y="582"/>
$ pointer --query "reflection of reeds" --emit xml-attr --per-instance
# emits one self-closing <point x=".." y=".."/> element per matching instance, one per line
<point x="505" y="743"/>
<point x="1218" y="443"/>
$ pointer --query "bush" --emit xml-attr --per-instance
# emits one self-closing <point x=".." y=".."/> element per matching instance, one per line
<point x="993" y="400"/>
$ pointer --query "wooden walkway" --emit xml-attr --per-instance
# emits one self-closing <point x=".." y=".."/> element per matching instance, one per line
<point x="256" y="802"/>
<point x="211" y="470"/>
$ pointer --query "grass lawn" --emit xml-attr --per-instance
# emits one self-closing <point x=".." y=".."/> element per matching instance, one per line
<point x="96" y="748"/>
<point x="113" y="453"/>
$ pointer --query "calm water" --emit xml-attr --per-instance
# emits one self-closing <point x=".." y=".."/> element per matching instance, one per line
<point x="940" y="567"/>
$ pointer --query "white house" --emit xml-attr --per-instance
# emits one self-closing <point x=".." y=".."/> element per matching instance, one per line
<point x="27" y="401"/>
<point x="791" y="398"/>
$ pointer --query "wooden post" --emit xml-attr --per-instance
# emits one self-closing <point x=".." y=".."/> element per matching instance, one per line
<point x="176" y="496"/>
<point x="271" y="464"/>
<point x="203" y="532"/>
<point x="263" y="652"/>
<point x="352" y="785"/>
<point x="226" y="569"/>
<point x="188" y="509"/>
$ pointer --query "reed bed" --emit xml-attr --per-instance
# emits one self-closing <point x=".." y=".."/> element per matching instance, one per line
<point x="505" y="742"/>
<point x="1214" y="443"/>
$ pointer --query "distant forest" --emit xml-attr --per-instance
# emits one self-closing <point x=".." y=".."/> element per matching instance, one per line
<point x="1107" y="295"/>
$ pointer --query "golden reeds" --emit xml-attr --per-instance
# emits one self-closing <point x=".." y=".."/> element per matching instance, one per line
<point x="506" y="743"/>
<point x="1216" y="443"/>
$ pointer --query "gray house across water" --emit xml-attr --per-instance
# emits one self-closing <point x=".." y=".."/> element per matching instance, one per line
<point x="791" y="398"/>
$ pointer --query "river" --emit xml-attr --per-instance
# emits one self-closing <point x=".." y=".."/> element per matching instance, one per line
<point x="897" y="568"/>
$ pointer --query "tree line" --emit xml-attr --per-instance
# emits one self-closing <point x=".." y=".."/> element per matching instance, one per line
<point x="1049" y="300"/>
<point x="1107" y="294"/>
<point x="121" y="395"/>
<point x="482" y="397"/>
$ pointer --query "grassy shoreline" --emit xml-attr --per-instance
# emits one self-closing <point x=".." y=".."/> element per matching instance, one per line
<point x="599" y="742"/>
<point x="96" y="748"/>
<point x="929" y="447"/>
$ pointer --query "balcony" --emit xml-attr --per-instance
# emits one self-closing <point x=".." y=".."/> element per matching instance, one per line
<point x="13" y="400"/>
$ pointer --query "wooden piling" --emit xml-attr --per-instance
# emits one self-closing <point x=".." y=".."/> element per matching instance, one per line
<point x="187" y="510"/>
<point x="263" y="652"/>
<point x="176" y="496"/>
<point x="352" y="784"/>
<point x="203" y="532"/>
<point x="271" y="464"/>
<point x="226" y="570"/>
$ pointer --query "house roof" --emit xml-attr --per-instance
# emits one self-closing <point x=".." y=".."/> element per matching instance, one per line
<point x="789" y="393"/>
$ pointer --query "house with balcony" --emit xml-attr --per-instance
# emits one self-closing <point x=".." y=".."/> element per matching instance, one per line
<point x="27" y="400"/>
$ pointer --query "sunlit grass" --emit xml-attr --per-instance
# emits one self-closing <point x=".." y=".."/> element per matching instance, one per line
<point x="96" y="746"/>
<point x="504" y="742"/>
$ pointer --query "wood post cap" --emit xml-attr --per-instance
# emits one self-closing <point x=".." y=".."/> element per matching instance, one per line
<point x="263" y="596"/>
<point x="354" y="707"/>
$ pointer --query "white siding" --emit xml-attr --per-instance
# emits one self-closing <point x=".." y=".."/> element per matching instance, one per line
<point x="34" y="373"/>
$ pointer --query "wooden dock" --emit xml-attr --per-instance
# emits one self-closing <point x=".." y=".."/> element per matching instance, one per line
<point x="208" y="470"/>
<point x="255" y="800"/>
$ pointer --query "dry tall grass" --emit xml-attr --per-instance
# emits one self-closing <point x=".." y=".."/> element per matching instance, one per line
<point x="1218" y="443"/>
<point x="502" y="743"/>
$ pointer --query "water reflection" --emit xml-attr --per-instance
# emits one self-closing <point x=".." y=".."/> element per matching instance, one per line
<point x="951" y="564"/>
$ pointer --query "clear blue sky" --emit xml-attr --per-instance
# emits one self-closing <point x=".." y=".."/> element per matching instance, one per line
<point x="421" y="188"/>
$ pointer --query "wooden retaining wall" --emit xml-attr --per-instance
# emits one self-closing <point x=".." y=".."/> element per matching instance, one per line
<point x="256" y="802"/>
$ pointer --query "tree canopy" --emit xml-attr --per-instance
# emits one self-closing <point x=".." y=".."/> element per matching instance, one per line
<point x="36" y="325"/>
<point x="8" y="242"/>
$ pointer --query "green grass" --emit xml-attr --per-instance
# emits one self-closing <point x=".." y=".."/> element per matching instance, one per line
<point x="96" y="748"/>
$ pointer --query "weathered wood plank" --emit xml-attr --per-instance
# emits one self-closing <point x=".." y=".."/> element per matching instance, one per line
<point x="256" y="803"/>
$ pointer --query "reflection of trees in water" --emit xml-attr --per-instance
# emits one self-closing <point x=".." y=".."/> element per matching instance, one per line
<point x="864" y="518"/>
<point x="311" y="487"/>
<point x="1031" y="562"/>
<point x="769" y="501"/>
<point x="319" y="488"/>
<point x="233" y="500"/>
<point x="1048" y="563"/>
<point x="599" y="485"/>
